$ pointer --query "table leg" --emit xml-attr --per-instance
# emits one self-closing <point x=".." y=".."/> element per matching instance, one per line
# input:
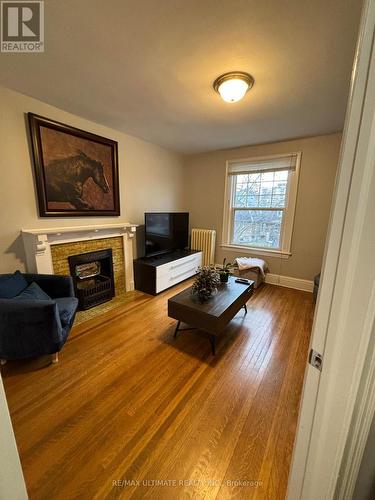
<point x="212" y="339"/>
<point x="245" y="307"/>
<point x="176" y="330"/>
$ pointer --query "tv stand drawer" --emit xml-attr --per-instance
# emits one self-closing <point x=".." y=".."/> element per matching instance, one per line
<point x="179" y="265"/>
<point x="167" y="280"/>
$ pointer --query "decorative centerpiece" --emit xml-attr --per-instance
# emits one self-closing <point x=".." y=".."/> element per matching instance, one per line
<point x="224" y="271"/>
<point x="206" y="283"/>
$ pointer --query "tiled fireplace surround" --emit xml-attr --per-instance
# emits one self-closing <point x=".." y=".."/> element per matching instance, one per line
<point x="47" y="252"/>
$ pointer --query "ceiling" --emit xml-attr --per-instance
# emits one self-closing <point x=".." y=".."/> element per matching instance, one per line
<point x="146" y="67"/>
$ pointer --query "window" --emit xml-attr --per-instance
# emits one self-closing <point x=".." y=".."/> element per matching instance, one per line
<point x="260" y="202"/>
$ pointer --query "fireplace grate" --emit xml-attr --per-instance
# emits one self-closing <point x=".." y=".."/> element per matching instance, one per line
<point x="93" y="277"/>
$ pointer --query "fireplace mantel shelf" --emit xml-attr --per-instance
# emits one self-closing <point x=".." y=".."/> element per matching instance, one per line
<point x="79" y="229"/>
<point x="38" y="243"/>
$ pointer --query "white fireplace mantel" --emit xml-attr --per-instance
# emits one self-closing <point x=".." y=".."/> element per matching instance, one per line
<point x="37" y="243"/>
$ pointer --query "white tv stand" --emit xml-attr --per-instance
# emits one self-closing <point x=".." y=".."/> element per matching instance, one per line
<point x="155" y="274"/>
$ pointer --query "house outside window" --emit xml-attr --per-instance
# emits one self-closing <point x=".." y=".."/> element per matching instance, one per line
<point x="260" y="202"/>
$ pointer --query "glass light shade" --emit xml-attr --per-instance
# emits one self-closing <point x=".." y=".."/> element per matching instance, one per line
<point x="233" y="90"/>
<point x="233" y="86"/>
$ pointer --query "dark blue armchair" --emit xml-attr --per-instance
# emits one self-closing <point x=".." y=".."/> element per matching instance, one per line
<point x="32" y="327"/>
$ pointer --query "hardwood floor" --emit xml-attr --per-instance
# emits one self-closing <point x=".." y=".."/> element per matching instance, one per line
<point x="126" y="402"/>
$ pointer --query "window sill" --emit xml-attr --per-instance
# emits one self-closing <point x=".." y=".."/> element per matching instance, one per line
<point x="257" y="251"/>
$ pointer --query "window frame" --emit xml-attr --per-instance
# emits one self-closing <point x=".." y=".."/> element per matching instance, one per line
<point x="284" y="250"/>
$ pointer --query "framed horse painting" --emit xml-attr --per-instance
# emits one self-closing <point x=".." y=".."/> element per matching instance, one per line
<point x="76" y="172"/>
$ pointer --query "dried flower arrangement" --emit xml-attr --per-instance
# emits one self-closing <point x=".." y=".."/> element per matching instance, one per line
<point x="206" y="282"/>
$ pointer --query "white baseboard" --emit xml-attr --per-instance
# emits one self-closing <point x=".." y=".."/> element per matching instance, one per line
<point x="289" y="282"/>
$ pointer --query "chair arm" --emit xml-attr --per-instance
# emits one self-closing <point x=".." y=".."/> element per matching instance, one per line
<point x="54" y="285"/>
<point x="29" y="328"/>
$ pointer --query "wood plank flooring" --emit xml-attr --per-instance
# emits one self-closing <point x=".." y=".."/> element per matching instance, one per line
<point x="129" y="412"/>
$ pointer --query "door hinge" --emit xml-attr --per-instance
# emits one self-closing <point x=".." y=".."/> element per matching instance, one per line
<point x="316" y="359"/>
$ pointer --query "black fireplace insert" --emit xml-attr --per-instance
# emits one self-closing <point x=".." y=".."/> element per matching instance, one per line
<point x="93" y="278"/>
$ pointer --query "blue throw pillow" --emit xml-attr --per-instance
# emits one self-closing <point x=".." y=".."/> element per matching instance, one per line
<point x="12" y="285"/>
<point x="33" y="292"/>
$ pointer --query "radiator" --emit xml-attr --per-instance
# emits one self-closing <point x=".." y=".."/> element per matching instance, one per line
<point x="204" y="240"/>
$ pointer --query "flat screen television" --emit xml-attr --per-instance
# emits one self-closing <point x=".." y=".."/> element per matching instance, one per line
<point x="165" y="232"/>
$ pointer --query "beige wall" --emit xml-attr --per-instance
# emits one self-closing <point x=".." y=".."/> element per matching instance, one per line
<point x="153" y="178"/>
<point x="204" y="197"/>
<point x="150" y="176"/>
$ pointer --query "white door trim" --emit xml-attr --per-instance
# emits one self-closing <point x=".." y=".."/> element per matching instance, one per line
<point x="328" y="398"/>
<point x="360" y="427"/>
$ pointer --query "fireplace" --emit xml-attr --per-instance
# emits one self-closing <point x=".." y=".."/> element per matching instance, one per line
<point x="92" y="274"/>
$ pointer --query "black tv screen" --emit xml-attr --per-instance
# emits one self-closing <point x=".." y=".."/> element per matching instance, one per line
<point x="165" y="232"/>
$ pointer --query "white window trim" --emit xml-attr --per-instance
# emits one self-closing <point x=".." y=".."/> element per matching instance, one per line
<point x="288" y="222"/>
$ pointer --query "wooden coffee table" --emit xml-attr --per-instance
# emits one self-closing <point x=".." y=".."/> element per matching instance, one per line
<point x="213" y="315"/>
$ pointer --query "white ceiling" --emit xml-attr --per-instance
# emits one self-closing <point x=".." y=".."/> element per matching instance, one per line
<point x="146" y="67"/>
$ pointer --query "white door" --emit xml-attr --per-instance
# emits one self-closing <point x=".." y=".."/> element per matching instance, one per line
<point x="346" y="302"/>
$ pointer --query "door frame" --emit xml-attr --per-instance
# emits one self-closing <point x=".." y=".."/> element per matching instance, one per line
<point x="346" y="302"/>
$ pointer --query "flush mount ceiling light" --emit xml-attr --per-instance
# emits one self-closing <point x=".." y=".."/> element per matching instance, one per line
<point x="233" y="86"/>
